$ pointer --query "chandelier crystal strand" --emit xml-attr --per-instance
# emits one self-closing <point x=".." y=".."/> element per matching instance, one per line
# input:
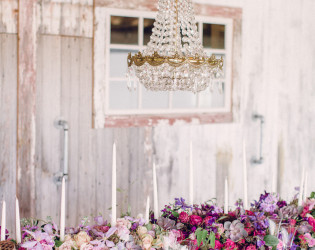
<point x="174" y="58"/>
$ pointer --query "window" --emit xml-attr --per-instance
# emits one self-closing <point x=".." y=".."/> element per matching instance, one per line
<point x="129" y="31"/>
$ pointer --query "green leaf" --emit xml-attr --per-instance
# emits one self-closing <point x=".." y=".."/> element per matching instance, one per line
<point x="58" y="243"/>
<point x="212" y="240"/>
<point x="312" y="195"/>
<point x="222" y="218"/>
<point x="199" y="236"/>
<point x="271" y="240"/>
<point x="204" y="235"/>
<point x="175" y="214"/>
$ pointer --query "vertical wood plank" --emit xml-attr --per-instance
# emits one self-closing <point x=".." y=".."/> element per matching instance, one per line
<point x="26" y="125"/>
<point x="49" y="137"/>
<point x="8" y="94"/>
<point x="70" y="110"/>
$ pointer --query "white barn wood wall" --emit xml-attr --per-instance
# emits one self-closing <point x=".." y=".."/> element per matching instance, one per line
<point x="276" y="80"/>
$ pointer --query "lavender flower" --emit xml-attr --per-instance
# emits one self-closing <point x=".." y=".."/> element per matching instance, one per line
<point x="181" y="203"/>
<point x="268" y="202"/>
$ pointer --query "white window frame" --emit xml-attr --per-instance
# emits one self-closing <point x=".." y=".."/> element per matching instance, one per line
<point x="228" y="22"/>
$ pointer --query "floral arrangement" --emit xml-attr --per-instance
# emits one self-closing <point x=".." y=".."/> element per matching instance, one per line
<point x="270" y="223"/>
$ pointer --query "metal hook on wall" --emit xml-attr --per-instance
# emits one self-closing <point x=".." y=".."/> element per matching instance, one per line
<point x="260" y="159"/>
<point x="63" y="124"/>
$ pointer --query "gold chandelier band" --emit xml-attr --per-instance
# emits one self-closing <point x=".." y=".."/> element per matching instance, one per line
<point x="175" y="61"/>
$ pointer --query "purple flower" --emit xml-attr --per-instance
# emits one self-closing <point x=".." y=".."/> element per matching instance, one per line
<point x="268" y="202"/>
<point x="281" y="204"/>
<point x="260" y="243"/>
<point x="181" y="203"/>
<point x="99" y="220"/>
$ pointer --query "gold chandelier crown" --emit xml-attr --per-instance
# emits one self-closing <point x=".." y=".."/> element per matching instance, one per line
<point x="174" y="58"/>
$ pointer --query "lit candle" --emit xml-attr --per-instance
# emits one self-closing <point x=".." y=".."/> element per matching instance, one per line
<point x="191" y="176"/>
<point x="63" y="210"/>
<point x="245" y="177"/>
<point x="3" y="218"/>
<point x="301" y="188"/>
<point x="147" y="210"/>
<point x="17" y="221"/>
<point x="226" y="197"/>
<point x="305" y="187"/>
<point x="114" y="188"/>
<point x="155" y="194"/>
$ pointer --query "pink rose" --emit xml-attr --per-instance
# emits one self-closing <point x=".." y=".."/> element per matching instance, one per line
<point x="195" y="220"/>
<point x="121" y="222"/>
<point x="311" y="221"/>
<point x="306" y="210"/>
<point x="207" y="220"/>
<point x="292" y="222"/>
<point x="251" y="247"/>
<point x="218" y="245"/>
<point x="309" y="239"/>
<point x="183" y="217"/>
<point x="230" y="245"/>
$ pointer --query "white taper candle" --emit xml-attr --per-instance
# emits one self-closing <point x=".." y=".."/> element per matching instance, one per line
<point x="155" y="193"/>
<point x="226" y="197"/>
<point x="63" y="210"/>
<point x="17" y="221"/>
<point x="147" y="210"/>
<point x="191" y="175"/>
<point x="245" y="202"/>
<point x="114" y="187"/>
<point x="305" y="187"/>
<point x="301" y="188"/>
<point x="3" y="221"/>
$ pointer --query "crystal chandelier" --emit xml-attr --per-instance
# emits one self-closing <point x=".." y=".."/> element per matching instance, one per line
<point x="174" y="58"/>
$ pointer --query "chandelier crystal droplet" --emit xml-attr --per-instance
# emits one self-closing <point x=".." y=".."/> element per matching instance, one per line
<point x="174" y="58"/>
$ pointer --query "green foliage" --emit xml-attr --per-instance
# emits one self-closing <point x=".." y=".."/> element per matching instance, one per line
<point x="203" y="237"/>
<point x="175" y="214"/>
<point x="312" y="195"/>
<point x="58" y="243"/>
<point x="271" y="241"/>
<point x="212" y="239"/>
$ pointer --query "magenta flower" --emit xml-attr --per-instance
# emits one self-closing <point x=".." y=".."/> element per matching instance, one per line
<point x="183" y="217"/>
<point x="195" y="220"/>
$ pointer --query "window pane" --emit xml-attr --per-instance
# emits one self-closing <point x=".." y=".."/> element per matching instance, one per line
<point x="214" y="99"/>
<point x="121" y="97"/>
<point x="213" y="36"/>
<point x="184" y="99"/>
<point x="147" y="29"/>
<point x="154" y="99"/>
<point x="124" y="30"/>
<point x="118" y="62"/>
